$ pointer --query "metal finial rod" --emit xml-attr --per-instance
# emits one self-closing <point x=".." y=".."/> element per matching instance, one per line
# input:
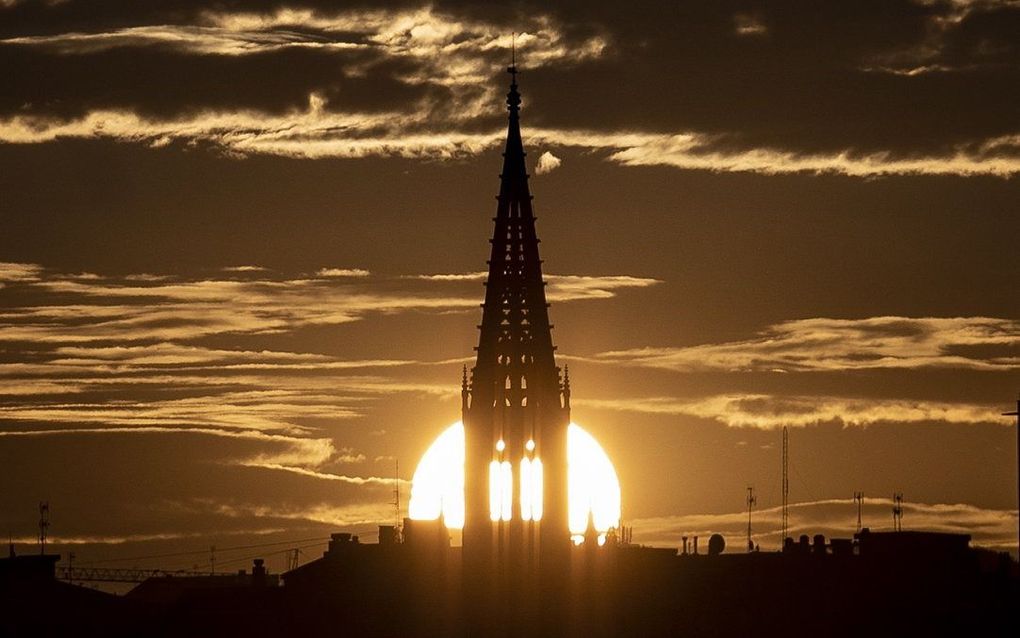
<point x="512" y="69"/>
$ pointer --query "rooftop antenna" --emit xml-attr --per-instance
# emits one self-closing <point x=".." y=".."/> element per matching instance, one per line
<point x="44" y="523"/>
<point x="396" y="494"/>
<point x="897" y="512"/>
<point x="1016" y="413"/>
<point x="786" y="484"/>
<point x="859" y="499"/>
<point x="293" y="558"/>
<point x="751" y="502"/>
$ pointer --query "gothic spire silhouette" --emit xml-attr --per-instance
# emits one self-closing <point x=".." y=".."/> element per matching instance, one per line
<point x="515" y="349"/>
<point x="515" y="409"/>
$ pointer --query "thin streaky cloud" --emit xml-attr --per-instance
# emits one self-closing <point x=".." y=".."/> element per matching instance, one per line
<point x="125" y="311"/>
<point x="317" y="133"/>
<point x="325" y="476"/>
<point x="448" y="50"/>
<point x="13" y="271"/>
<point x="196" y="40"/>
<point x="827" y="344"/>
<point x="342" y="272"/>
<point x="293" y="450"/>
<point x="564" y="287"/>
<point x="765" y="411"/>
<point x="695" y="152"/>
<point x="59" y="539"/>
<point x="337" y="516"/>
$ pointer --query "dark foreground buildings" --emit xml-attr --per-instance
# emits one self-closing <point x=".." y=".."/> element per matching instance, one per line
<point x="517" y="573"/>
<point x="879" y="584"/>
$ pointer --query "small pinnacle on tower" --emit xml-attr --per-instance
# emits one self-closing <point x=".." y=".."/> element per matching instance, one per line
<point x="566" y="386"/>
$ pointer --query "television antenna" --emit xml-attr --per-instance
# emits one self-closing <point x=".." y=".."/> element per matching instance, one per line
<point x="897" y="512"/>
<point x="1016" y="413"/>
<point x="44" y="524"/>
<point x="859" y="499"/>
<point x="786" y="484"/>
<point x="752" y="500"/>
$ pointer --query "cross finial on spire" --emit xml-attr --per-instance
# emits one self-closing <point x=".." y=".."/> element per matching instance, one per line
<point x="513" y="98"/>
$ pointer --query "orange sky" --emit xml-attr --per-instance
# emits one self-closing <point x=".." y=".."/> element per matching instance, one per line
<point x="241" y="255"/>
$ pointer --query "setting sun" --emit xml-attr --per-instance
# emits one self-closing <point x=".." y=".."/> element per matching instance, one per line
<point x="437" y="488"/>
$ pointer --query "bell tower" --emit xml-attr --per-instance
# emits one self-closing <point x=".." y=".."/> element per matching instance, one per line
<point x="516" y="405"/>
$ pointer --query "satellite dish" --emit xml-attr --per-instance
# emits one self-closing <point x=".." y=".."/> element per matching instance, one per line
<point x="716" y="545"/>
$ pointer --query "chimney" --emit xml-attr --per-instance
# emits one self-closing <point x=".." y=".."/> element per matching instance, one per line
<point x="258" y="573"/>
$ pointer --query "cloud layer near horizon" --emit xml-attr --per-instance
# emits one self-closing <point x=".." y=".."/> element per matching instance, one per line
<point x="88" y="354"/>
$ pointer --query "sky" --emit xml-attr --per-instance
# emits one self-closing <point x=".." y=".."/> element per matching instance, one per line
<point x="243" y="245"/>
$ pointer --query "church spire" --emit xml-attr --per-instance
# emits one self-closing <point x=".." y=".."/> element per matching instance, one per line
<point x="513" y="406"/>
<point x="515" y="352"/>
<point x="515" y="174"/>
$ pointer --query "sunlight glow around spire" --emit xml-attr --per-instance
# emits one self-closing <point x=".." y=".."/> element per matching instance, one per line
<point x="593" y="487"/>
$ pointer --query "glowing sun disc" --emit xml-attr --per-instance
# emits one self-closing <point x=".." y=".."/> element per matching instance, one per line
<point x="593" y="489"/>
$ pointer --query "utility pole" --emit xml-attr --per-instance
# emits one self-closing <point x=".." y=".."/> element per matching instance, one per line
<point x="897" y="512"/>
<point x="1016" y="413"/>
<point x="751" y="501"/>
<point x="859" y="499"/>
<point x="786" y="485"/>
<point x="44" y="523"/>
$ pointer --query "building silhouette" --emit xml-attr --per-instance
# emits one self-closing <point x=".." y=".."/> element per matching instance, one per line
<point x="516" y="409"/>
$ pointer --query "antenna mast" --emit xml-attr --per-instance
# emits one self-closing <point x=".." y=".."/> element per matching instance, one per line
<point x="44" y="523"/>
<point x="897" y="512"/>
<point x="1016" y="413"/>
<point x="786" y="485"/>
<point x="751" y="501"/>
<point x="293" y="559"/>
<point x="396" y="494"/>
